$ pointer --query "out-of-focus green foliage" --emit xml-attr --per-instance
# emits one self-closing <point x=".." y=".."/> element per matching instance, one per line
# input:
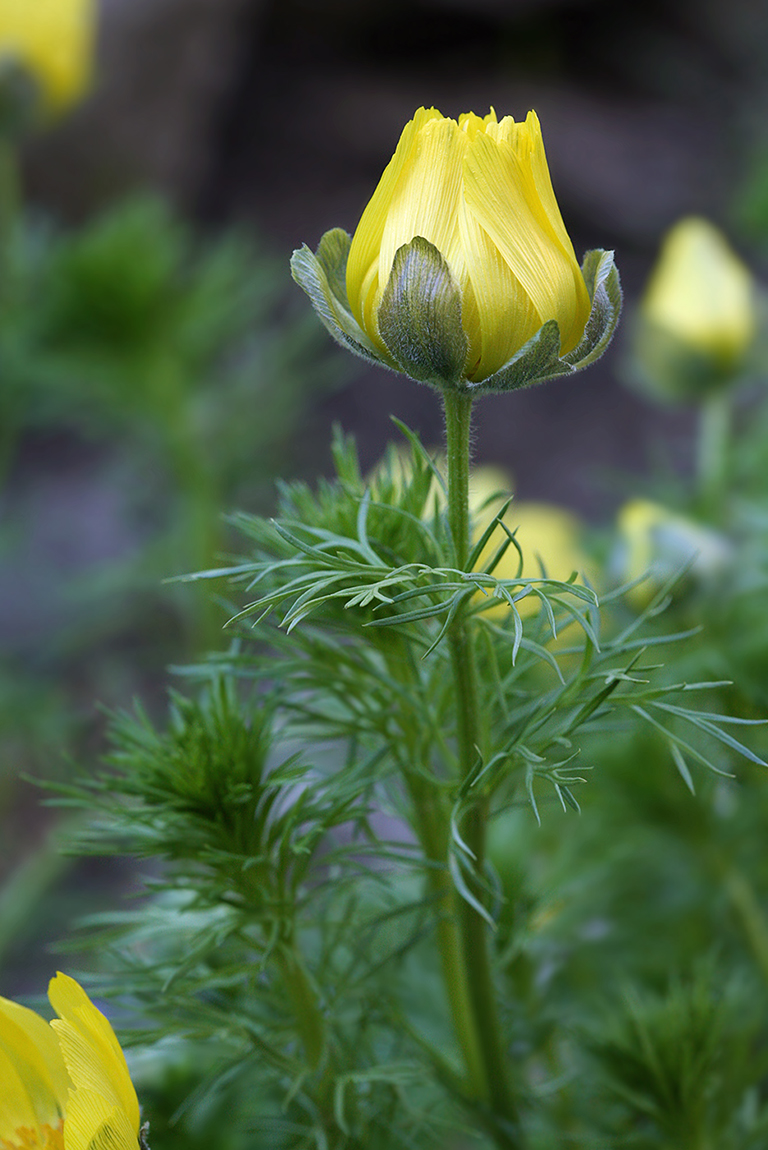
<point x="152" y="376"/>
<point x="135" y="326"/>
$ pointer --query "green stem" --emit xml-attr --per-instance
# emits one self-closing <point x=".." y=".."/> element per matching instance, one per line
<point x="431" y="827"/>
<point x="196" y="483"/>
<point x="750" y="914"/>
<point x="304" y="1003"/>
<point x="24" y="890"/>
<point x="712" y="451"/>
<point x="458" y="429"/>
<point x="10" y="211"/>
<point x="474" y="931"/>
<point x="431" y="823"/>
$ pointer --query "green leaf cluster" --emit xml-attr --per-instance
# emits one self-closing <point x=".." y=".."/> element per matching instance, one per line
<point x="312" y="828"/>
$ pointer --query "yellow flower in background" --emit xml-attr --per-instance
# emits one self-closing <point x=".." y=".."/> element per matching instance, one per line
<point x="53" y="40"/>
<point x="702" y="297"/>
<point x="64" y="1085"/>
<point x="656" y="543"/>
<point x="479" y="192"/>
<point x="547" y="535"/>
<point x="461" y="273"/>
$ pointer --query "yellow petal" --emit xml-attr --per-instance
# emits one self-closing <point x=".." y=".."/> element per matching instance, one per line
<point x="54" y="39"/>
<point x="701" y="292"/>
<point x="17" y="1108"/>
<point x="34" y="1079"/>
<point x="92" y="1124"/>
<point x="503" y="317"/>
<point x="530" y="131"/>
<point x="471" y="123"/>
<point x="502" y="194"/>
<point x="362" y="263"/>
<point x="91" y="1051"/>
<point x="427" y="197"/>
<point x="416" y="196"/>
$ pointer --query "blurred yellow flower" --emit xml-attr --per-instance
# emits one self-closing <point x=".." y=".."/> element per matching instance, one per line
<point x="548" y="535"/>
<point x="655" y="544"/>
<point x="53" y="39"/>
<point x="64" y="1085"/>
<point x="702" y="295"/>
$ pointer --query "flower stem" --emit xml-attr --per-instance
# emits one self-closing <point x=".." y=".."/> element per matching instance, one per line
<point x="474" y="930"/>
<point x="750" y="915"/>
<point x="712" y="450"/>
<point x="431" y="828"/>
<point x="431" y="823"/>
<point x="304" y="1002"/>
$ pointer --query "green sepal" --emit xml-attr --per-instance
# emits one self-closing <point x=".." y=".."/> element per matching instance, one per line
<point x="420" y="316"/>
<point x="322" y="275"/>
<point x="602" y="279"/>
<point x="539" y="359"/>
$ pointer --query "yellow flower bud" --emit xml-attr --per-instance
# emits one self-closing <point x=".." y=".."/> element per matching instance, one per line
<point x="53" y="41"/>
<point x="698" y="313"/>
<point x="655" y="544"/>
<point x="479" y="191"/>
<point x="548" y="535"/>
<point x="461" y="273"/>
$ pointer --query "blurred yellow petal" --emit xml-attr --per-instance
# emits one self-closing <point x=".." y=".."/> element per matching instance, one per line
<point x="657" y="544"/>
<point x="489" y="489"/>
<point x="701" y="293"/>
<point x="549" y="537"/>
<point x="91" y="1051"/>
<point x="17" y="1108"/>
<point x="54" y="40"/>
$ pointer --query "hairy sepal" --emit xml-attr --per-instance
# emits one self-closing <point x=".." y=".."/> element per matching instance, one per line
<point x="420" y="316"/>
<point x="539" y="359"/>
<point x="322" y="275"/>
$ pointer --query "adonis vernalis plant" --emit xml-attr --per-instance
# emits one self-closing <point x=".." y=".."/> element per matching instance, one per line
<point x="331" y="927"/>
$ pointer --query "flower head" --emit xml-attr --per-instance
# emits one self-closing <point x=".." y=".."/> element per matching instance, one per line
<point x="656" y="544"/>
<point x="53" y="41"/>
<point x="461" y="272"/>
<point x="64" y="1085"/>
<point x="698" y="315"/>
